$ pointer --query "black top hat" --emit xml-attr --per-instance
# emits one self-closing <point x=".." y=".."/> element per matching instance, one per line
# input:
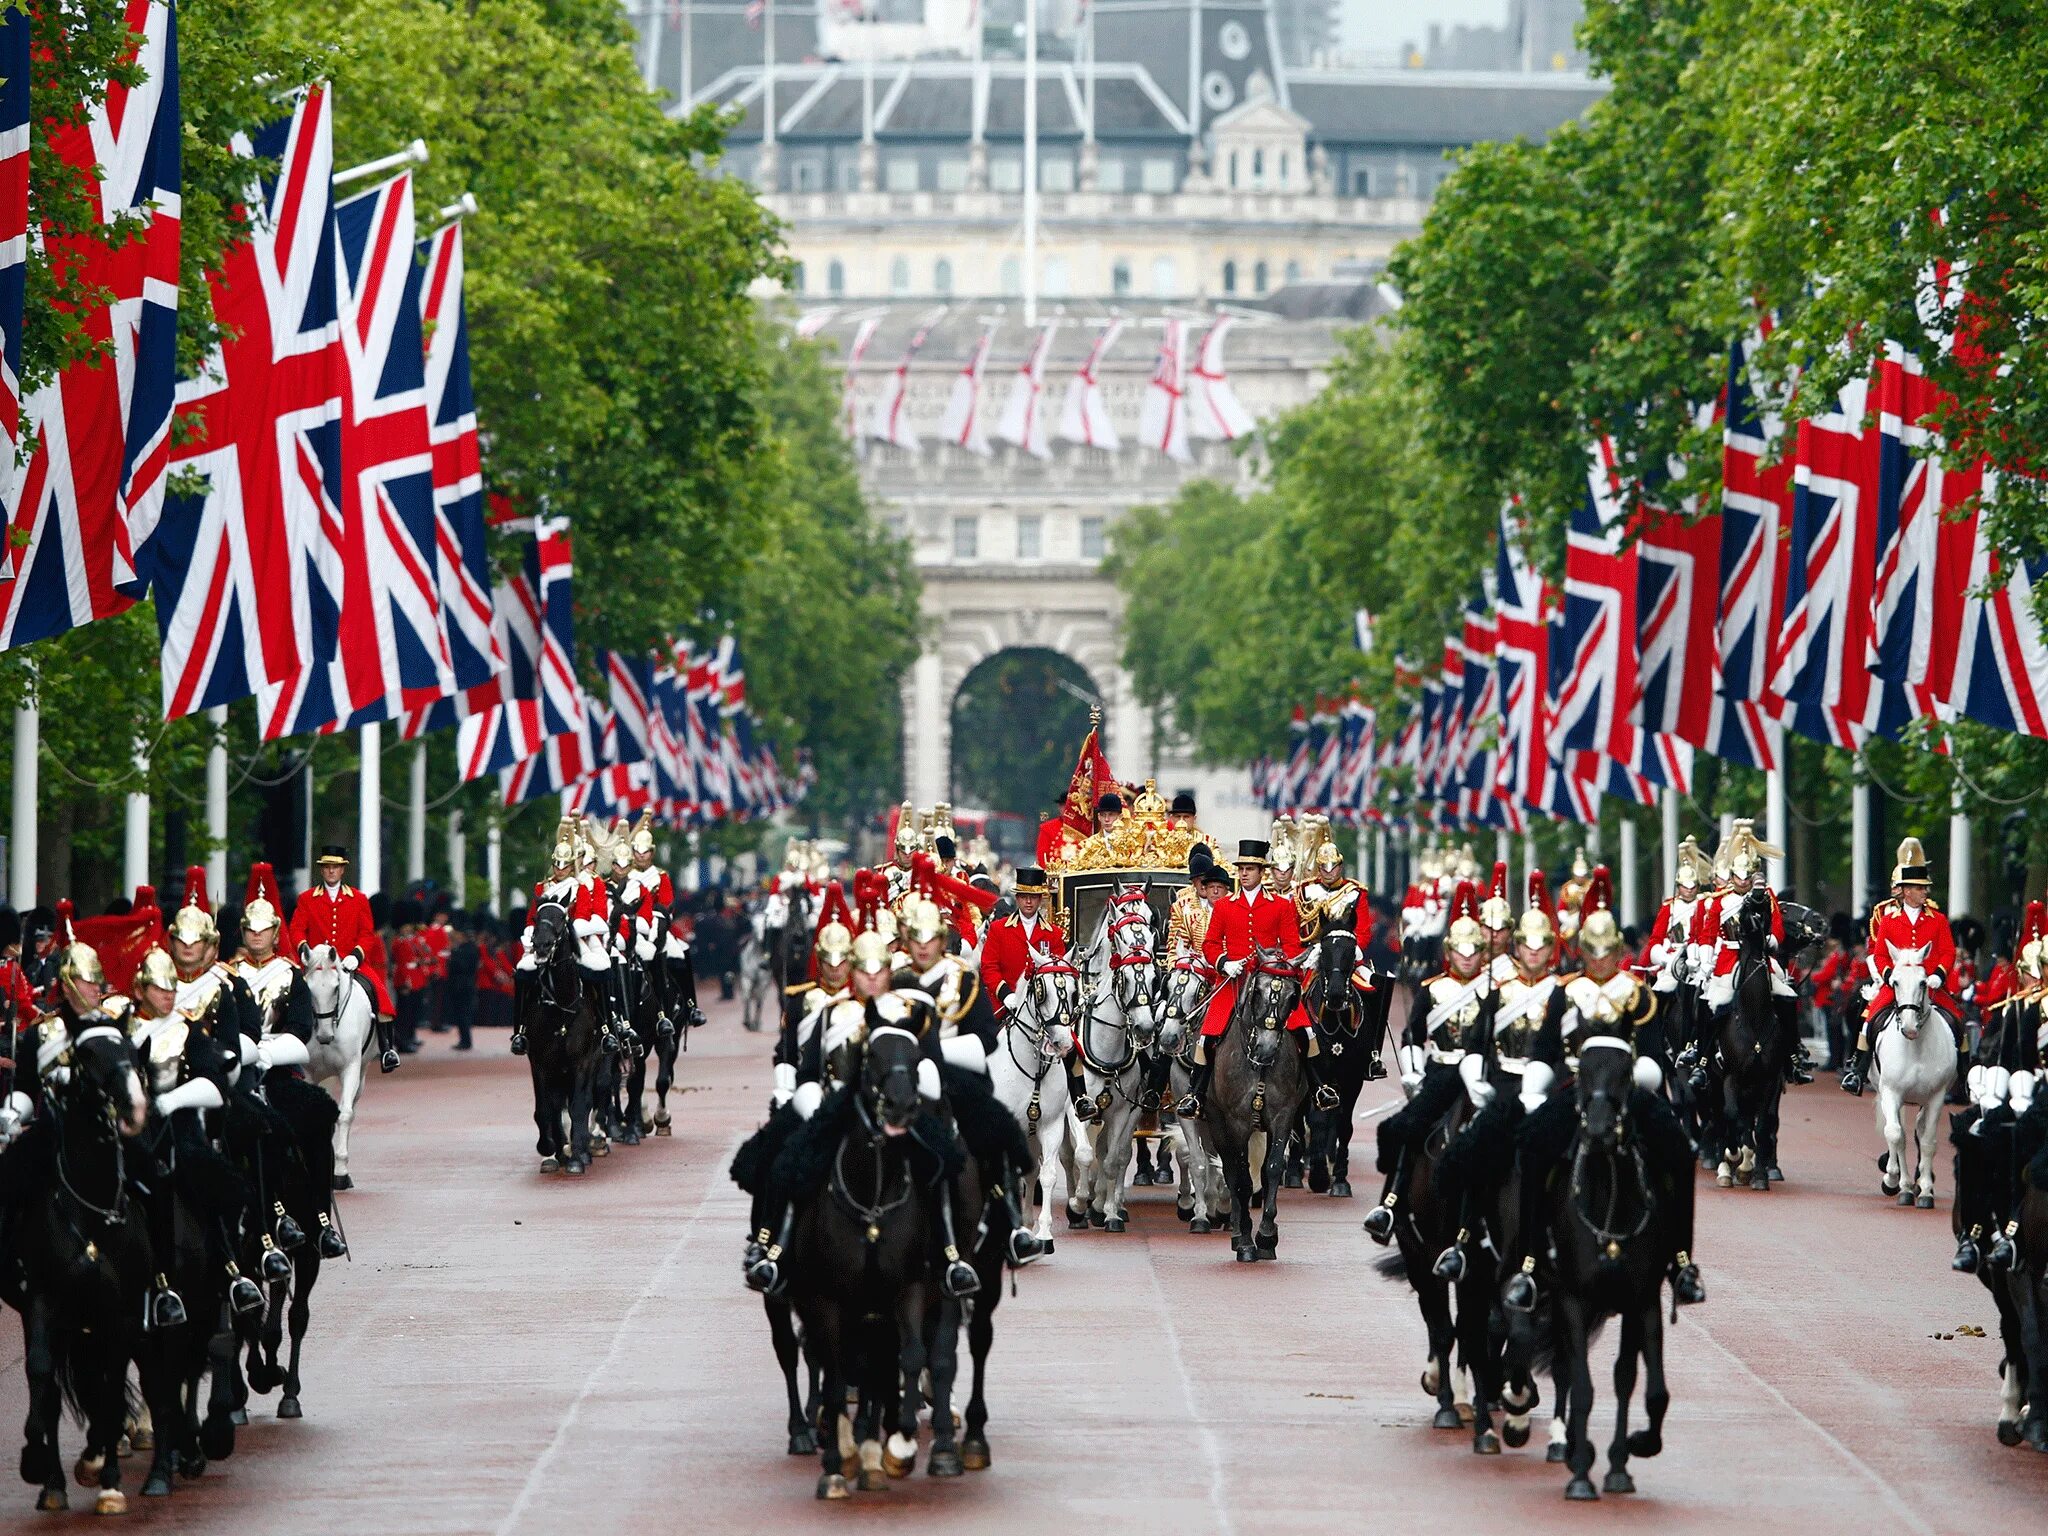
<point x="1251" y="851"/>
<point x="1109" y="800"/>
<point x="1183" y="804"/>
<point x="945" y="847"/>
<point x="332" y="853"/>
<point x="1212" y="873"/>
<point x="1199" y="859"/>
<point x="1030" y="882"/>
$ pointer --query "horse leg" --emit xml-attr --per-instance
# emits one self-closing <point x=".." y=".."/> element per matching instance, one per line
<point x="1927" y="1129"/>
<point x="351" y="1089"/>
<point x="304" y="1275"/>
<point x="1656" y="1395"/>
<point x="782" y="1330"/>
<point x="1578" y="1449"/>
<point x="1272" y="1176"/>
<point x="832" y="1407"/>
<point x="1891" y="1124"/>
<point x="2034" y="1341"/>
<point x="1434" y="1298"/>
<point x="664" y="1079"/>
<point x="1340" y="1141"/>
<point x="945" y="1460"/>
<point x="41" y="1462"/>
<point x="1113" y="1150"/>
<point x="901" y="1457"/>
<point x="1237" y="1170"/>
<point x="1617" y="1479"/>
<point x="582" y="1094"/>
<point x="1052" y="1139"/>
<point x="1476" y="1351"/>
<point x="981" y="1333"/>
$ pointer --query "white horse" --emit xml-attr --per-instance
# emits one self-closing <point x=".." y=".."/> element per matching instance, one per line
<point x="344" y="1023"/>
<point x="1026" y="1073"/>
<point x="1916" y="1062"/>
<point x="757" y="980"/>
<point x="1203" y="1194"/>
<point x="1119" y="1026"/>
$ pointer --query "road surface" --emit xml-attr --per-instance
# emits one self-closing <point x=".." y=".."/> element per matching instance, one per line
<point x="510" y="1352"/>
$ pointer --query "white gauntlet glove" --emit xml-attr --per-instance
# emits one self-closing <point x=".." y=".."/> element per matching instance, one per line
<point x="281" y="1051"/>
<point x="200" y="1093"/>
<point x="928" y="1080"/>
<point x="785" y="1084"/>
<point x="350" y="961"/>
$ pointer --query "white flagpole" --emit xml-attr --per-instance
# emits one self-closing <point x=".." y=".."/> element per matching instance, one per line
<point x="370" y="808"/>
<point x="1961" y="860"/>
<point x="416" y="814"/>
<point x="217" y="802"/>
<point x="1031" y="162"/>
<point x="768" y="82"/>
<point x="494" y="868"/>
<point x="1625" y="856"/>
<point x="688" y="74"/>
<point x="1775" y="830"/>
<point x="414" y="153"/>
<point x="458" y="858"/>
<point x="1670" y="849"/>
<point x="1859" y="853"/>
<point x="21" y="847"/>
<point x="135" y="829"/>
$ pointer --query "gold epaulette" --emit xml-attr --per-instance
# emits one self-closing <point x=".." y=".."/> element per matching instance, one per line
<point x="802" y="986"/>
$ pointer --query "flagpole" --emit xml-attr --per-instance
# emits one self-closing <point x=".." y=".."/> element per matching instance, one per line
<point x="217" y="802"/>
<point x="1670" y="849"/>
<point x="21" y="847"/>
<point x="1774" y="824"/>
<point x="768" y="167"/>
<point x="416" y="814"/>
<point x="1859" y="852"/>
<point x="494" y="867"/>
<point x="458" y="858"/>
<point x="1961" y="857"/>
<point x="135" y="828"/>
<point x="1625" y="858"/>
<point x="370" y="808"/>
<point x="688" y="73"/>
<point x="1031" y="162"/>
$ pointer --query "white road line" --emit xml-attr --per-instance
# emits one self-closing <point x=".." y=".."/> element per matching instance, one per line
<point x="1211" y="1451"/>
<point x="1907" y="1515"/>
<point x="715" y="1191"/>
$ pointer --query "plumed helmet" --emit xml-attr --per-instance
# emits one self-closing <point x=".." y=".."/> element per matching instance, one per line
<point x="1537" y="926"/>
<point x="833" y="944"/>
<point x="1328" y="856"/>
<point x="1746" y="852"/>
<point x="563" y="854"/>
<point x="1692" y="865"/>
<point x="921" y="918"/>
<point x="1430" y="864"/>
<point x="193" y="923"/>
<point x="871" y="951"/>
<point x="79" y="961"/>
<point x="1599" y="933"/>
<point x="1911" y="868"/>
<point x="157" y="970"/>
<point x="1467" y="867"/>
<point x="260" y="904"/>
<point x="908" y="836"/>
<point x="1464" y="935"/>
<point x="643" y="832"/>
<point x="1495" y="912"/>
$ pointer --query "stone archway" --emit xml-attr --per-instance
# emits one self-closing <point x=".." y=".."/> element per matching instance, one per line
<point x="1014" y="722"/>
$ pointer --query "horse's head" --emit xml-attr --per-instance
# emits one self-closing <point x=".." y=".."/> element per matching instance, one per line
<point x="1272" y="988"/>
<point x="550" y="931"/>
<point x="888" y="1078"/>
<point x="1182" y="990"/>
<point x="1753" y="917"/>
<point x="1336" y="959"/>
<point x="1133" y="967"/>
<point x="1051" y="990"/>
<point x="104" y="1078"/>
<point x="1909" y="990"/>
<point x="1606" y="1075"/>
<point x="321" y="967"/>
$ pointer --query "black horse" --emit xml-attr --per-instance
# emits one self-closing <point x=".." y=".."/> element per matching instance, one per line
<point x="1426" y="1225"/>
<point x="82" y="1265"/>
<point x="1606" y="1253"/>
<point x="303" y="1192"/>
<point x="1257" y="1089"/>
<point x="561" y="1014"/>
<point x="1350" y="1028"/>
<point x="1751" y="1049"/>
<point x="862" y="1252"/>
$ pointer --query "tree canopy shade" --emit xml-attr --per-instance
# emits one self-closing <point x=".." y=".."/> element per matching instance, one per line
<point x="1015" y="728"/>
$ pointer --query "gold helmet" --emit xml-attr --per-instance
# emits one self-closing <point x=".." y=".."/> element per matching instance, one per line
<point x="871" y="951"/>
<point x="79" y="961"/>
<point x="193" y="923"/>
<point x="1599" y="933"/>
<point x="564" y="854"/>
<point x="1580" y="868"/>
<point x="921" y="918"/>
<point x="1329" y="857"/>
<point x="1467" y="867"/>
<point x="643" y="832"/>
<point x="1464" y="936"/>
<point x="157" y="970"/>
<point x="262" y="902"/>
<point x="1693" y="869"/>
<point x="1911" y="868"/>
<point x="908" y="838"/>
<point x="1495" y="912"/>
<point x="1430" y="864"/>
<point x="1746" y="852"/>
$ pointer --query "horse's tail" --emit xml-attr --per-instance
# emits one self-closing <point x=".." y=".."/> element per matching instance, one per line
<point x="70" y="1365"/>
<point x="1392" y="1266"/>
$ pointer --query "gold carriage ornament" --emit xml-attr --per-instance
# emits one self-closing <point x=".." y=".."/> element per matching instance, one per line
<point x="1145" y="845"/>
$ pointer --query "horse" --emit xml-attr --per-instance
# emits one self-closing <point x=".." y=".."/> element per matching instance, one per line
<point x="562" y="1017"/>
<point x="2027" y="1285"/>
<point x="1915" y="1057"/>
<point x="82" y="1244"/>
<point x="1425" y="1226"/>
<point x="1256" y="1091"/>
<point x="344" y="1024"/>
<point x="757" y="986"/>
<point x="1118" y="1027"/>
<point x="1749" y="1054"/>
<point x="1026" y="1076"/>
<point x="861" y="1253"/>
<point x="1202" y="1198"/>
<point x="1600" y="1230"/>
<point x="1350" y="1027"/>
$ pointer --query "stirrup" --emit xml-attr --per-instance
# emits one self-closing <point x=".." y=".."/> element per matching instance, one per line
<point x="1379" y="1223"/>
<point x="961" y="1280"/>
<point x="1327" y="1098"/>
<point x="1189" y="1105"/>
<point x="765" y="1275"/>
<point x="1687" y="1290"/>
<point x="665" y="1027"/>
<point x="289" y="1233"/>
<point x="1025" y="1248"/>
<point x="1450" y="1264"/>
<point x="1520" y="1294"/>
<point x="166" y="1306"/>
<point x="2002" y="1253"/>
<point x="518" y="1042"/>
<point x="331" y="1244"/>
<point x="1085" y="1111"/>
<point x="243" y="1295"/>
<point x="275" y="1266"/>
<point x="389" y="1061"/>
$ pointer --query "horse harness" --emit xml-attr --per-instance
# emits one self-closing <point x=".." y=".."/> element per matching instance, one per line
<point x="869" y="1214"/>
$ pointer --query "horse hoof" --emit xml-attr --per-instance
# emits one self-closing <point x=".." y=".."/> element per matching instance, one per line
<point x="156" y="1486"/>
<point x="1341" y="1190"/>
<point x="1777" y="1174"/>
<point x="897" y="1466"/>
<point x="1554" y="1453"/>
<point x="1077" y="1222"/>
<point x="1760" y="1181"/>
<point x="239" y="1417"/>
<point x="1580" y="1490"/>
<point x="288" y="1408"/>
<point x="1515" y="1435"/>
<point x="1246" y="1256"/>
<point x="2008" y="1432"/>
<point x="871" y="1480"/>
<point x="1318" y="1181"/>
<point x="1617" y="1481"/>
<point x="1098" y="1220"/>
<point x="974" y="1454"/>
<point x="1924" y="1203"/>
<point x="1464" y="1412"/>
<point x="85" y="1473"/>
<point x="1200" y="1226"/>
<point x="1486" y="1443"/>
<point x="945" y="1464"/>
<point x="803" y="1443"/>
<point x="111" y="1501"/>
<point x="191" y="1464"/>
<point x="1447" y="1418"/>
<point x="602" y="1149"/>
<point x="575" y="1167"/>
<point x="833" y="1486"/>
<point x="343" y="1181"/>
<point x="1725" y="1180"/>
<point x="1290" y="1181"/>
<point x="1905" y="1198"/>
<point x="141" y="1438"/>
<point x="1645" y="1442"/>
<point x="217" y="1437"/>
<point x="1047" y="1243"/>
<point x="550" y="1165"/>
<point x="51" y="1500"/>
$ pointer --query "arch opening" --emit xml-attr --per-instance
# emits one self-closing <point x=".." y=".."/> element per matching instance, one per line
<point x="1017" y="720"/>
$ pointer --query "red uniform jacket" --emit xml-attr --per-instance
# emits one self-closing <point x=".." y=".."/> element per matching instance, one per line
<point x="1006" y="948"/>
<point x="343" y="920"/>
<point x="1237" y="925"/>
<point x="2003" y="981"/>
<point x="1893" y="928"/>
<point x="414" y="955"/>
<point x="1706" y="927"/>
<point x="435" y="937"/>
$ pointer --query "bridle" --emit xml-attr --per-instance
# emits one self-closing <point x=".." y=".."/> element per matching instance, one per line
<point x="546" y="966"/>
<point x="106" y="1124"/>
<point x="869" y="1213"/>
<point x="330" y="1018"/>
<point x="1625" y="1153"/>
<point x="1337" y="999"/>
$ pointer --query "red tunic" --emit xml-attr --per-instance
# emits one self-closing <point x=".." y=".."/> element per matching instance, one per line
<point x="1005" y="951"/>
<point x="415" y="962"/>
<point x="435" y="937"/>
<point x="343" y="920"/>
<point x="1998" y="986"/>
<point x="1237" y="926"/>
<point x="1706" y="927"/>
<point x="1894" y="928"/>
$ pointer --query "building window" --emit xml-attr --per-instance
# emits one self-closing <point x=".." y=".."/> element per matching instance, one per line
<point x="900" y="175"/>
<point x="1230" y="277"/>
<point x="796" y="278"/>
<point x="1013" y="276"/>
<point x="1233" y="167"/>
<point x="835" y="277"/>
<point x="1165" y="278"/>
<point x="966" y="538"/>
<point x="953" y="174"/>
<point x="1258" y="167"/>
<point x="1030" y="536"/>
<point x="808" y="174"/>
<point x="899" y="274"/>
<point x="942" y="276"/>
<point x="1091" y="538"/>
<point x="1259" y="277"/>
<point x="849" y="174"/>
<point x="1283" y="168"/>
<point x="1057" y="283"/>
<point x="1361" y="181"/>
<point x="1158" y="174"/>
<point x="1293" y="273"/>
<point x="1109" y="174"/>
<point x="1006" y="174"/>
<point x="1056" y="174"/>
<point x="1404" y="182"/>
<point x="1120" y="277"/>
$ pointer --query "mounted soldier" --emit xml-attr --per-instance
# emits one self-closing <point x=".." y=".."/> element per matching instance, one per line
<point x="334" y="913"/>
<point x="1908" y="931"/>
<point x="558" y="885"/>
<point x="1671" y="951"/>
<point x="1740" y="865"/>
<point x="1006" y="950"/>
<point x="1497" y="917"/>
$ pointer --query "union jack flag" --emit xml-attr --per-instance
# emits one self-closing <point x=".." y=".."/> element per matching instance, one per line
<point x="240" y="596"/>
<point x="1522" y="659"/>
<point x="93" y="487"/>
<point x="1482" y="747"/>
<point x="2001" y="671"/>
<point x="631" y="680"/>
<point x="14" y="71"/>
<point x="1324" y="752"/>
<point x="1301" y="760"/>
<point x="462" y="558"/>
<point x="539" y="697"/>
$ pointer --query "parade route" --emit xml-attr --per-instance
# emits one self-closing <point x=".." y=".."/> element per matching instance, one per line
<point x="511" y="1353"/>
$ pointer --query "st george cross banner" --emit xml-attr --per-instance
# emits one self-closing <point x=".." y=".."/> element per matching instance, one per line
<point x="100" y="430"/>
<point x="245" y="581"/>
<point x="14" y="68"/>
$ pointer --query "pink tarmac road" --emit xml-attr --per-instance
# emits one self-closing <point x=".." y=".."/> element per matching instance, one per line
<point x="517" y="1353"/>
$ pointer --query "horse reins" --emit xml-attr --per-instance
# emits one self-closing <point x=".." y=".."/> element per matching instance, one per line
<point x="869" y="1215"/>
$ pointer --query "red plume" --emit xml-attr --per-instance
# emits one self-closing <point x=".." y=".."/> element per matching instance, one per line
<point x="1539" y="894"/>
<point x="870" y="891"/>
<point x="195" y="888"/>
<point x="1599" y="895"/>
<point x="1465" y="901"/>
<point x="263" y="883"/>
<point x="65" y="933"/>
<point x="2036" y="924"/>
<point x="1499" y="887"/>
<point x="145" y="898"/>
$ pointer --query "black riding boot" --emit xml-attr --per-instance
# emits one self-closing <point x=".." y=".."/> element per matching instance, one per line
<point x="1086" y="1110"/>
<point x="960" y="1279"/>
<point x="1379" y="1221"/>
<point x="1321" y="1094"/>
<point x="1192" y="1101"/>
<point x="764" y="1268"/>
<point x="387" y="1044"/>
<point x="1024" y="1245"/>
<point x="1859" y="1069"/>
<point x="330" y="1243"/>
<point x="1967" y="1253"/>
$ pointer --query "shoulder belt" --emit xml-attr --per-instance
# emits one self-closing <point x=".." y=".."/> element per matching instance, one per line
<point x="1457" y="1000"/>
<point x="1533" y="995"/>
